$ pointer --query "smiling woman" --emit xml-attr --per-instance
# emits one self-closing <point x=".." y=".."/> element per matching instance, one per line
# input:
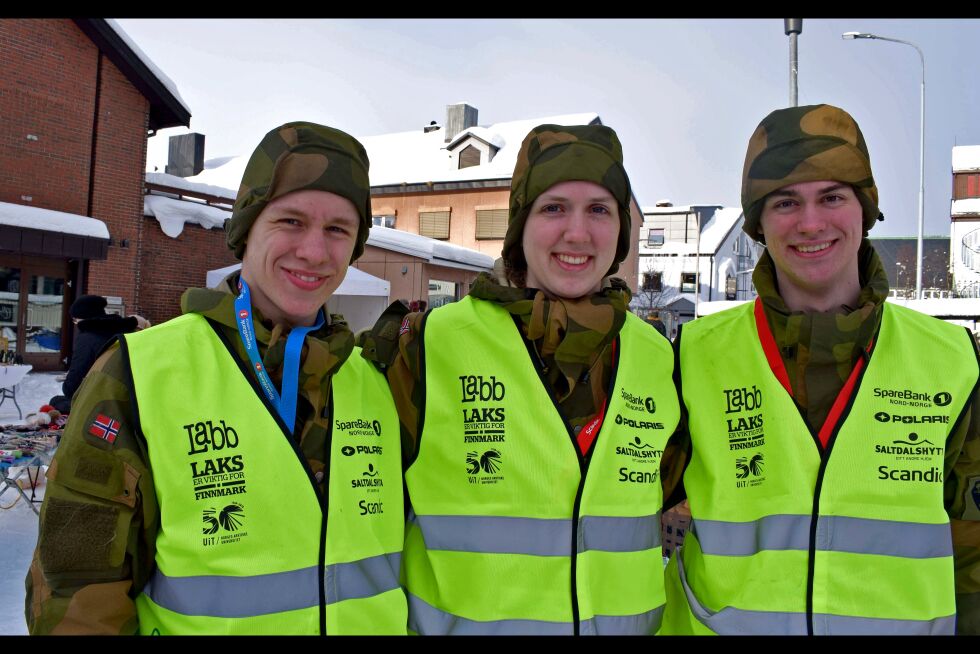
<point x="517" y="497"/>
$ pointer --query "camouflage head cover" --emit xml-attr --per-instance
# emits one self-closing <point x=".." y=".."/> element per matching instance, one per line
<point x="551" y="154"/>
<point x="295" y="157"/>
<point x="806" y="144"/>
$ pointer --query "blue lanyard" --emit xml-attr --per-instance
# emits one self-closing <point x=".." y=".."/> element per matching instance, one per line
<point x="286" y="405"/>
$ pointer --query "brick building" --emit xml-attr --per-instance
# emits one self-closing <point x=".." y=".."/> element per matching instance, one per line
<point x="78" y="100"/>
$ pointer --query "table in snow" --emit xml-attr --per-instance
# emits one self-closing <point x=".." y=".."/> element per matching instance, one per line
<point x="36" y="450"/>
<point x="10" y="376"/>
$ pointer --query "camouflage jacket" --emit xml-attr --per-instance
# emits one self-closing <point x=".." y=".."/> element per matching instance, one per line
<point x="571" y="337"/>
<point x="819" y="351"/>
<point x="100" y="517"/>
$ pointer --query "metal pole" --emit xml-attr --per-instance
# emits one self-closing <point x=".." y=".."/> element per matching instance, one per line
<point x="922" y="148"/>
<point x="793" y="27"/>
<point x="793" y="70"/>
<point x="922" y="175"/>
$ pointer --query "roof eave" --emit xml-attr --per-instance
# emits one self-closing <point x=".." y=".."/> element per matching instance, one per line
<point x="165" y="109"/>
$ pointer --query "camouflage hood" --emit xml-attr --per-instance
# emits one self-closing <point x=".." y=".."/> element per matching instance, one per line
<point x="573" y="330"/>
<point x="806" y="144"/>
<point x="551" y="154"/>
<point x="302" y="156"/>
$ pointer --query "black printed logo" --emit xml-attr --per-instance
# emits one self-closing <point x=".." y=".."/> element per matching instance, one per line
<point x="488" y="463"/>
<point x="377" y="427"/>
<point x="742" y="399"/>
<point x="347" y="450"/>
<point x="942" y="399"/>
<point x="228" y="519"/>
<point x="749" y="470"/>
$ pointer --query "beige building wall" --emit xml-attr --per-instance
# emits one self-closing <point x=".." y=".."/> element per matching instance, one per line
<point x="462" y="218"/>
<point x="410" y="276"/>
<point x="463" y="205"/>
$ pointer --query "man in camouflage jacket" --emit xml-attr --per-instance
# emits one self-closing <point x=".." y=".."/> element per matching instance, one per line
<point x="822" y="293"/>
<point x="101" y="518"/>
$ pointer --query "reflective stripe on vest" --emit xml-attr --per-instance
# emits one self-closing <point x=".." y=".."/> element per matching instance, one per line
<point x="274" y="593"/>
<point x="539" y="537"/>
<point x="879" y="558"/>
<point x="834" y="533"/>
<point x="505" y="526"/>
<point x="222" y="465"/>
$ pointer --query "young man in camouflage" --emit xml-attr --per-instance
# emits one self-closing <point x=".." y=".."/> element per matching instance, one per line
<point x="534" y="413"/>
<point x="834" y="444"/>
<point x="206" y="456"/>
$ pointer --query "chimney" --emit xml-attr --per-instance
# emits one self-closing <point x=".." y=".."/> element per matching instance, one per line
<point x="459" y="116"/>
<point x="186" y="155"/>
<point x="664" y="203"/>
<point x="431" y="127"/>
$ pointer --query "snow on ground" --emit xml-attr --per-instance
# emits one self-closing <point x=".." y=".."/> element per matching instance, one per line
<point x="18" y="524"/>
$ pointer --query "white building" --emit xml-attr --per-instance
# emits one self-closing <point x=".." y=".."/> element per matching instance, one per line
<point x="964" y="235"/>
<point x="692" y="254"/>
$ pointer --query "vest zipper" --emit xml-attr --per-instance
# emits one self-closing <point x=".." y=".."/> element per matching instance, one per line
<point x="824" y="461"/>
<point x="321" y="497"/>
<point x="539" y="368"/>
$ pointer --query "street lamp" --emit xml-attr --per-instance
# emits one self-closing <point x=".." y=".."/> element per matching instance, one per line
<point x="922" y="146"/>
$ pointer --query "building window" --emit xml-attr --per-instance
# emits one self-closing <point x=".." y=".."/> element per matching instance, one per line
<point x="384" y="221"/>
<point x="491" y="223"/>
<point x="655" y="237"/>
<point x="434" y="224"/>
<point x="442" y="292"/>
<point x="688" y="282"/>
<point x="966" y="185"/>
<point x="469" y="156"/>
<point x="731" y="289"/>
<point x="653" y="282"/>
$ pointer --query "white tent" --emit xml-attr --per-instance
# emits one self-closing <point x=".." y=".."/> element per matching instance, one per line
<point x="360" y="297"/>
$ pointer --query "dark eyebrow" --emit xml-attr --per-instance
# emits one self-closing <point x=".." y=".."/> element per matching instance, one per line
<point x="783" y="193"/>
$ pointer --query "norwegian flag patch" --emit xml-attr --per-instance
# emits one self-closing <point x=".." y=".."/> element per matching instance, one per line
<point x="105" y="428"/>
<point x="404" y="329"/>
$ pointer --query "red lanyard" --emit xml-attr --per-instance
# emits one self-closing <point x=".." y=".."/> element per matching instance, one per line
<point x="779" y="369"/>
<point x="587" y="434"/>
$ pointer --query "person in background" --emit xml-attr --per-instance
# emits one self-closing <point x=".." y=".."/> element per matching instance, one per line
<point x="96" y="329"/>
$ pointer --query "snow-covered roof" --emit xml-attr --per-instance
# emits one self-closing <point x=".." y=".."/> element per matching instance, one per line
<point x="163" y="79"/>
<point x="438" y="252"/>
<point x="173" y="214"/>
<point x="482" y="133"/>
<point x="966" y="207"/>
<point x="718" y="227"/>
<point x="418" y="157"/>
<point x="49" y="220"/>
<point x="966" y="157"/>
<point x="190" y="184"/>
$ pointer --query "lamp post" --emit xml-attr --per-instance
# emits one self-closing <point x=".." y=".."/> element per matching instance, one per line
<point x="922" y="146"/>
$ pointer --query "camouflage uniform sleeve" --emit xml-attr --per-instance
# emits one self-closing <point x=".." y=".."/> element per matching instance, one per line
<point x="393" y="346"/>
<point x="99" y="519"/>
<point x="962" y="494"/>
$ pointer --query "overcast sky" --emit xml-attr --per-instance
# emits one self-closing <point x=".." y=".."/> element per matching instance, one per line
<point x="683" y="95"/>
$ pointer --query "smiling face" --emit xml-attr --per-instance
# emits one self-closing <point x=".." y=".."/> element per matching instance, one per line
<point x="570" y="239"/>
<point x="297" y="253"/>
<point x="813" y="231"/>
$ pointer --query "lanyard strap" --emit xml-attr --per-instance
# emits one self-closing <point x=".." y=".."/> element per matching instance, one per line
<point x="589" y="432"/>
<point x="285" y="405"/>
<point x="778" y="368"/>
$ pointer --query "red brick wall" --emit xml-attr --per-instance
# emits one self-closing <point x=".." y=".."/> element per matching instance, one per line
<point x="117" y="193"/>
<point x="47" y="89"/>
<point x="175" y="264"/>
<point x="48" y="75"/>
